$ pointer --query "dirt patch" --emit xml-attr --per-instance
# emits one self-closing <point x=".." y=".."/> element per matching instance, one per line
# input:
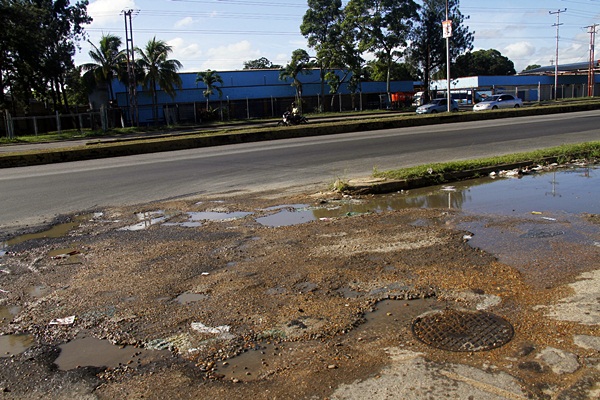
<point x="300" y="293"/>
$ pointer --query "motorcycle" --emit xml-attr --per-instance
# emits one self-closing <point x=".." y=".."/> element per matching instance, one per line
<point x="290" y="119"/>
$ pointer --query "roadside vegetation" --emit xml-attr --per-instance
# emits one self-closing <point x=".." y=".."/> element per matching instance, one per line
<point x="437" y="171"/>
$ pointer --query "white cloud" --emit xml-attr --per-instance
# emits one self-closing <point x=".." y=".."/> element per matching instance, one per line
<point x="230" y="57"/>
<point x="186" y="53"/>
<point x="108" y="11"/>
<point x="519" y="50"/>
<point x="184" y="22"/>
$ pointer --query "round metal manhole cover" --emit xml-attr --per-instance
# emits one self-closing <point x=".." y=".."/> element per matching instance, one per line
<point x="456" y="330"/>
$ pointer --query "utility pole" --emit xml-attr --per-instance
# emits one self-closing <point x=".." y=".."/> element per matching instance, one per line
<point x="131" y="76"/>
<point x="557" y="24"/>
<point x="447" y="33"/>
<point x="592" y="65"/>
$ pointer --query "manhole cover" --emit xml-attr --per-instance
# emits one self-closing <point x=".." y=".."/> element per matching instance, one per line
<point x="456" y="330"/>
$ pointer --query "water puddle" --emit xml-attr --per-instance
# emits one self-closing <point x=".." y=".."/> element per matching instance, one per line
<point x="147" y="219"/>
<point x="56" y="231"/>
<point x="66" y="256"/>
<point x="189" y="297"/>
<point x="7" y="313"/>
<point x="287" y="215"/>
<point x="88" y="351"/>
<point x="217" y="216"/>
<point x="571" y="190"/>
<point x="388" y="315"/>
<point x="14" y="344"/>
<point x="38" y="291"/>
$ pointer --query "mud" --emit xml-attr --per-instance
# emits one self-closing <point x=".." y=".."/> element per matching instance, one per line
<point x="328" y="301"/>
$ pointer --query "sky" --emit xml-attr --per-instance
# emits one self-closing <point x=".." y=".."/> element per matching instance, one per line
<point x="222" y="34"/>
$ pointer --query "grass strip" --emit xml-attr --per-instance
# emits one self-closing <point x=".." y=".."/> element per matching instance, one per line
<point x="437" y="171"/>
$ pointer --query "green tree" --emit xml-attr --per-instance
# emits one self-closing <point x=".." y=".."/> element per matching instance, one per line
<point x="427" y="51"/>
<point x="532" y="66"/>
<point x="38" y="39"/>
<point x="299" y="64"/>
<point x="398" y="72"/>
<point x="158" y="71"/>
<point x="260" y="63"/>
<point x="210" y="79"/>
<point x="382" y="28"/>
<point x="62" y="24"/>
<point x="109" y="62"/>
<point x="482" y="62"/>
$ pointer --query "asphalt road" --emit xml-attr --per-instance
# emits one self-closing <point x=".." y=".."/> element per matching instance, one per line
<point x="31" y="195"/>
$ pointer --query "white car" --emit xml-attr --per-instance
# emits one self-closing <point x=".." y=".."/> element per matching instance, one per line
<point x="437" y="105"/>
<point x="498" y="101"/>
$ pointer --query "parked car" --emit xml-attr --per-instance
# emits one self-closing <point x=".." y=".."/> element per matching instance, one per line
<point x="498" y="101"/>
<point x="436" y="106"/>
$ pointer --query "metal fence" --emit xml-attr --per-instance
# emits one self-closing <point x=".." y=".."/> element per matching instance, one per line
<point x="42" y="124"/>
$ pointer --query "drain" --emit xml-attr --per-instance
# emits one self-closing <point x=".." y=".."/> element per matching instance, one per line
<point x="456" y="330"/>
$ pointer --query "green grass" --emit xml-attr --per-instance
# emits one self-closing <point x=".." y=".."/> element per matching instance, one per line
<point x="590" y="150"/>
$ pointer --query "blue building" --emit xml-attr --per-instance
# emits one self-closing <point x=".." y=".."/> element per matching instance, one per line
<point x="252" y="94"/>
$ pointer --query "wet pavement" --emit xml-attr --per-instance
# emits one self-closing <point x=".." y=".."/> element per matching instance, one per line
<point x="324" y="289"/>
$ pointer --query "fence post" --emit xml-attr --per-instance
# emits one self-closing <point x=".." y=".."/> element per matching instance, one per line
<point x="35" y="126"/>
<point x="103" y="118"/>
<point x="58" y="127"/>
<point x="10" y="128"/>
<point x="247" y="109"/>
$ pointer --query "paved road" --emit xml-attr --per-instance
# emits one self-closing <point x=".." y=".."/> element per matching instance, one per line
<point x="30" y="195"/>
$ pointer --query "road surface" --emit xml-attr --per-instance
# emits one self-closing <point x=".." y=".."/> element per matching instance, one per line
<point x="31" y="195"/>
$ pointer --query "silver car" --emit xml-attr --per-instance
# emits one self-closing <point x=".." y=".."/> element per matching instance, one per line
<point x="498" y="101"/>
<point x="436" y="106"/>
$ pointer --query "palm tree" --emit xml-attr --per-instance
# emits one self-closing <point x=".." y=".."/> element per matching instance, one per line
<point x="299" y="64"/>
<point x="158" y="71"/>
<point x="109" y="61"/>
<point x="210" y="78"/>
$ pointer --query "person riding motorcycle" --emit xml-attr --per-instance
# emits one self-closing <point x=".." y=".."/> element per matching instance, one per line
<point x="295" y="112"/>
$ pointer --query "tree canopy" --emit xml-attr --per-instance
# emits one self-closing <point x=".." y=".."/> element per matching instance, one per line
<point x="260" y="63"/>
<point x="210" y="78"/>
<point x="428" y="47"/>
<point x="38" y="39"/>
<point x="158" y="70"/>
<point x="382" y="27"/>
<point x="482" y="62"/>
<point x="299" y="64"/>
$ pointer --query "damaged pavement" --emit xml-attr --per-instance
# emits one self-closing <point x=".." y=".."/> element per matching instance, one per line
<point x="186" y="306"/>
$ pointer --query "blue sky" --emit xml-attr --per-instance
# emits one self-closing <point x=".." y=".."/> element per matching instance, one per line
<point x="222" y="34"/>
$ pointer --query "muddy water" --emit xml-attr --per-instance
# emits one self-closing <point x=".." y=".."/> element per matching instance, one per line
<point x="88" y="351"/>
<point x="14" y="344"/>
<point x="388" y="317"/>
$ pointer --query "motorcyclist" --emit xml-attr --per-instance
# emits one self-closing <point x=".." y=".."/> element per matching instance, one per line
<point x="295" y="112"/>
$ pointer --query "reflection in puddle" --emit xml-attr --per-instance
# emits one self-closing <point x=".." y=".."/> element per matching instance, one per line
<point x="94" y="352"/>
<point x="147" y="219"/>
<point x="217" y="216"/>
<point x="288" y="217"/>
<point x="189" y="297"/>
<point x="14" y="344"/>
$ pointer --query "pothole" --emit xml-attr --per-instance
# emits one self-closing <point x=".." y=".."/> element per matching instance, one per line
<point x="14" y="344"/>
<point x="89" y="351"/>
<point x="458" y="330"/>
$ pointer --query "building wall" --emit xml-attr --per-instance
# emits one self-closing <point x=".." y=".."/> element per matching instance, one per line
<point x="267" y="94"/>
